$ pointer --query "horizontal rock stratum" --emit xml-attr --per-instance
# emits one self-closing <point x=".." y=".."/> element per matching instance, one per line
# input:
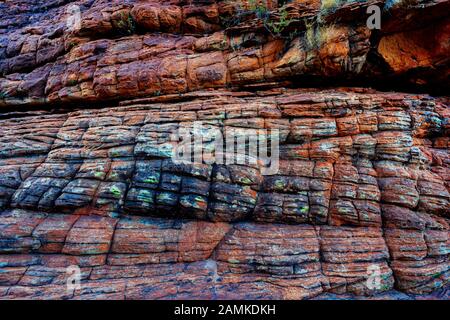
<point x="88" y="176"/>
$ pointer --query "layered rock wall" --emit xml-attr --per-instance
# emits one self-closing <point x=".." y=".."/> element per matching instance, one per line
<point x="87" y="170"/>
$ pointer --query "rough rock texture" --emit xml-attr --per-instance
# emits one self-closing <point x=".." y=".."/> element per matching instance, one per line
<point x="88" y="178"/>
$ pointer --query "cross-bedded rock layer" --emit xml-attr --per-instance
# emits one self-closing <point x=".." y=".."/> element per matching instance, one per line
<point x="88" y="177"/>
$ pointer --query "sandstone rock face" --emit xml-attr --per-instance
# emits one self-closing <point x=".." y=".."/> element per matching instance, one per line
<point x="89" y="116"/>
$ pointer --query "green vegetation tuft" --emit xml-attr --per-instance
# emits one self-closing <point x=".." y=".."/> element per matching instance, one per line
<point x="304" y="209"/>
<point x="72" y="83"/>
<point x="274" y="22"/>
<point x="72" y="45"/>
<point x="126" y="24"/>
<point x="278" y="22"/>
<point x="115" y="191"/>
<point x="278" y="26"/>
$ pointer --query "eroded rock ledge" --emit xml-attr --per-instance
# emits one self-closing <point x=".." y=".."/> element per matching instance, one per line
<point x="138" y="48"/>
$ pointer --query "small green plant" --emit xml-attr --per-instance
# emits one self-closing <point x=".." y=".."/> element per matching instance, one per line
<point x="304" y="209"/>
<point x="259" y="9"/>
<point x="278" y="26"/>
<point x="115" y="191"/>
<point x="71" y="45"/>
<point x="274" y="22"/>
<point x="313" y="37"/>
<point x="72" y="82"/>
<point x="126" y="24"/>
<point x="317" y="30"/>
